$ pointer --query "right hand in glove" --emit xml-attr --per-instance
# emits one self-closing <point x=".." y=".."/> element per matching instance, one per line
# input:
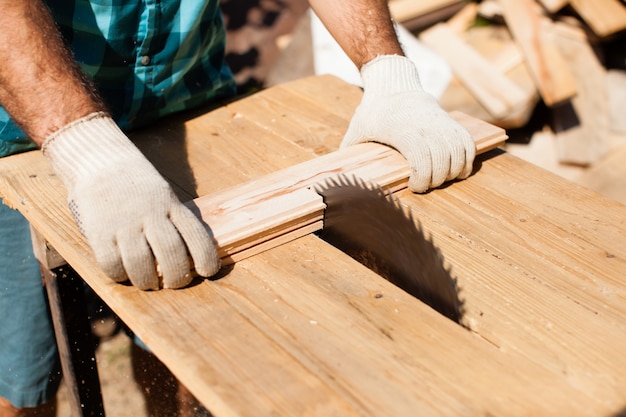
<point x="396" y="111"/>
<point x="128" y="213"/>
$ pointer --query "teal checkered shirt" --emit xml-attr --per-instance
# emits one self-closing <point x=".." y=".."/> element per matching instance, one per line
<point x="148" y="58"/>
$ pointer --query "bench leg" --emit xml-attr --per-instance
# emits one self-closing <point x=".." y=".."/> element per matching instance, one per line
<point x="75" y="341"/>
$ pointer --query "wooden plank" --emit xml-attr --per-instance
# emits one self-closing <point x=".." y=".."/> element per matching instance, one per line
<point x="581" y="124"/>
<point x="495" y="44"/>
<point x="605" y="17"/>
<point x="554" y="5"/>
<point x="294" y="307"/>
<point x="616" y="84"/>
<point x="508" y="57"/>
<point x="416" y="15"/>
<point x="464" y="18"/>
<point x="274" y="209"/>
<point x="402" y="10"/>
<point x="545" y="62"/>
<point x="606" y="176"/>
<point x="492" y="89"/>
<point x="490" y="9"/>
<point x="282" y="206"/>
<point x="304" y="330"/>
<point x="557" y="279"/>
<point x="251" y="223"/>
<point x="301" y="330"/>
<point x="319" y="134"/>
<point x="540" y="151"/>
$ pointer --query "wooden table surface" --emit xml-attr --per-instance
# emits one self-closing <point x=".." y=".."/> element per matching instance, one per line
<point x="304" y="330"/>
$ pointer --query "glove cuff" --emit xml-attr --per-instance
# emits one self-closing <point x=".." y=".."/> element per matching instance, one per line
<point x="390" y="74"/>
<point x="88" y="146"/>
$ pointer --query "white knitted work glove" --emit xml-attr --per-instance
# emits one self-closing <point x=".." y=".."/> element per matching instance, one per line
<point x="396" y="111"/>
<point x="125" y="209"/>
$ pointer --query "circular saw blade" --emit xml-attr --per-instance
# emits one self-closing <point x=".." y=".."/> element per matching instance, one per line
<point x="370" y="225"/>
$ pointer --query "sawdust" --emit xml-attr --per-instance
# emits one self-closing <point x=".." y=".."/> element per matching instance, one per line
<point x="120" y="393"/>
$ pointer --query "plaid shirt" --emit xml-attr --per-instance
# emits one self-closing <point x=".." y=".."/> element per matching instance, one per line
<point x="148" y="58"/>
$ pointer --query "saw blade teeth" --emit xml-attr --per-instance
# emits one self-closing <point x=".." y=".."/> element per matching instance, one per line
<point x="334" y="182"/>
<point x="346" y="181"/>
<point x="358" y="219"/>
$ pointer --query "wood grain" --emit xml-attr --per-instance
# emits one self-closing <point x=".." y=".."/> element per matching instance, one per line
<point x="502" y="53"/>
<point x="499" y="95"/>
<point x="282" y="206"/>
<point x="545" y="62"/>
<point x="303" y="330"/>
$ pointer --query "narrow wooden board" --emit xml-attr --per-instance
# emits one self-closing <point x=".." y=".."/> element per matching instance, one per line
<point x="490" y="9"/>
<point x="282" y="206"/>
<point x="464" y="18"/>
<point x="499" y="95"/>
<point x="605" y="17"/>
<point x="582" y="124"/>
<point x="415" y="15"/>
<point x="495" y="44"/>
<point x="273" y="209"/>
<point x="545" y="62"/>
<point x="554" y="5"/>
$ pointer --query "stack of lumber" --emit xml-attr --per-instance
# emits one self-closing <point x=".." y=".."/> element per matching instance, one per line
<point x="415" y="15"/>
<point x="514" y="58"/>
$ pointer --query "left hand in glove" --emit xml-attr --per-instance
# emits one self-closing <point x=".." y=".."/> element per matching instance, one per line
<point x="396" y="111"/>
<point x="127" y="211"/>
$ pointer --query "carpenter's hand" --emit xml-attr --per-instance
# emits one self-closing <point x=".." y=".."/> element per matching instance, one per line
<point x="396" y="111"/>
<point x="126" y="210"/>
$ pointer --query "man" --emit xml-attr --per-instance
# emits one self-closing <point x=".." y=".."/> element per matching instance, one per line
<point x="129" y="63"/>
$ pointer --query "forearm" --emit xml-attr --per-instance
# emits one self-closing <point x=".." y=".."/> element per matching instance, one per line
<point x="363" y="28"/>
<point x="41" y="86"/>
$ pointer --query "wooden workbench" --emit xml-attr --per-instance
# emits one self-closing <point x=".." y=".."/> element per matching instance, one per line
<point x="303" y="330"/>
